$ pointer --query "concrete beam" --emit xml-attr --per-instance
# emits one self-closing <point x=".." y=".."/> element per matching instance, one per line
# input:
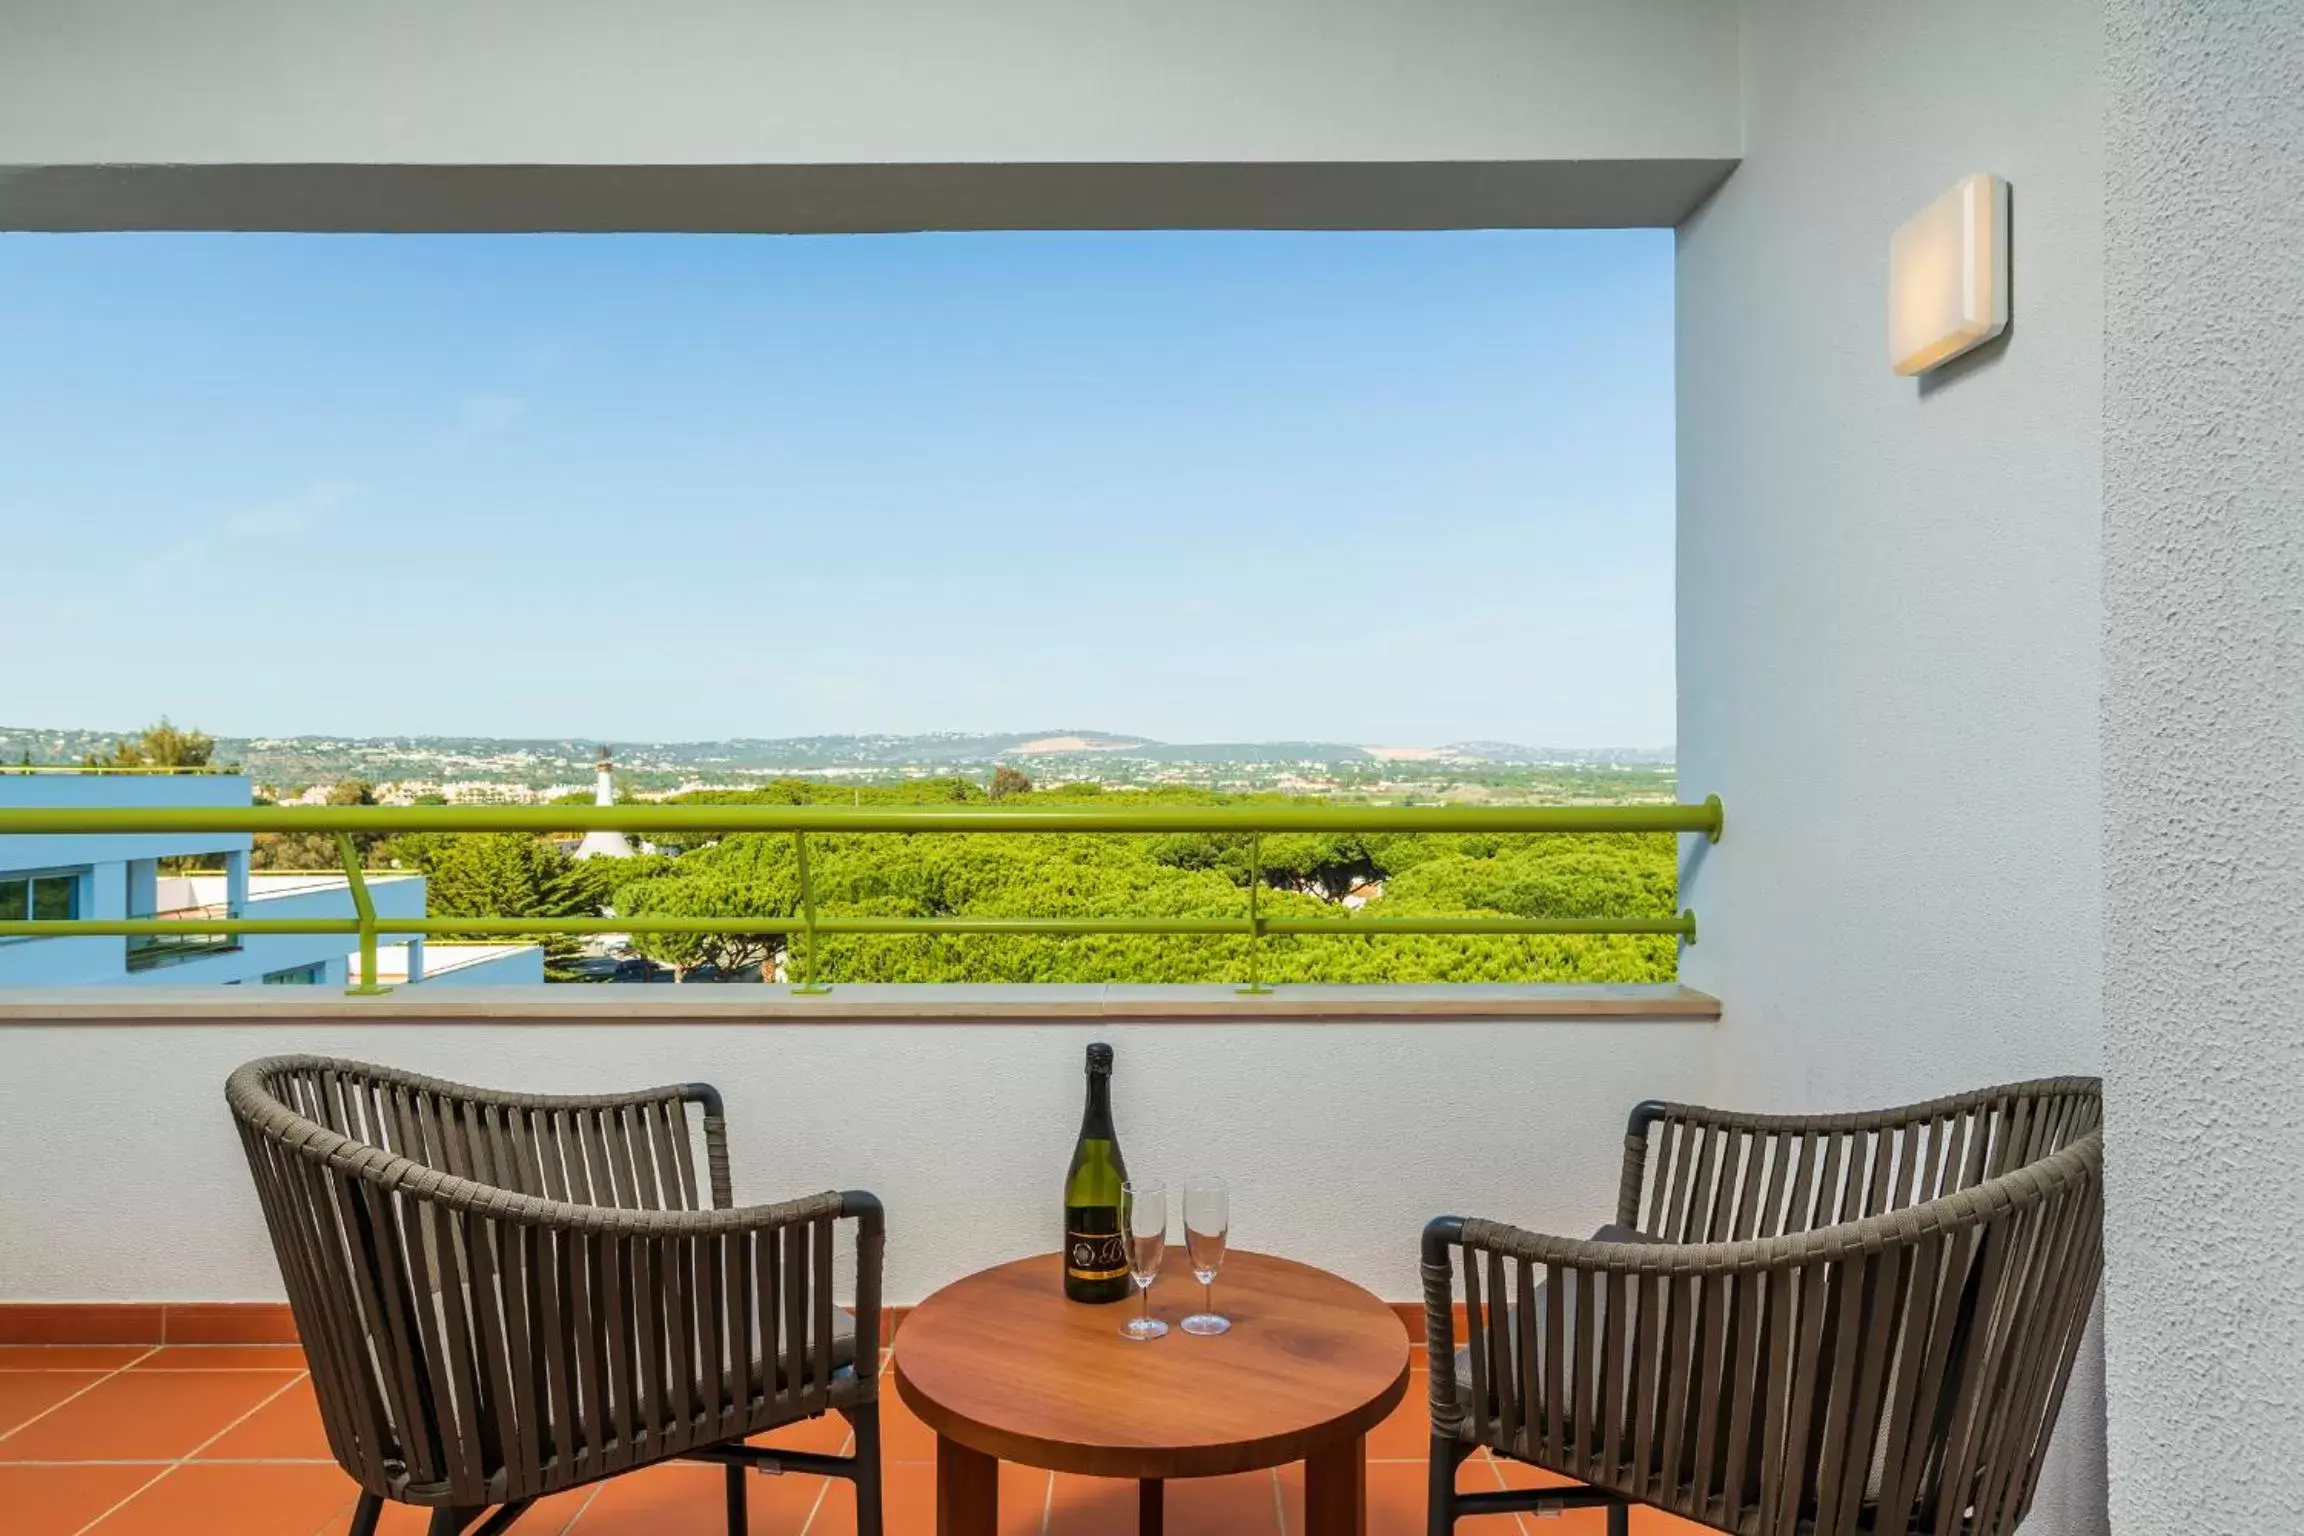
<point x="819" y="199"/>
<point x="787" y="115"/>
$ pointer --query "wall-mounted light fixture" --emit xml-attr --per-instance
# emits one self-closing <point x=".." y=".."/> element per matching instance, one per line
<point x="1948" y="275"/>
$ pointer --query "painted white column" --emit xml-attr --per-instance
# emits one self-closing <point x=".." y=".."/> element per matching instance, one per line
<point x="143" y="895"/>
<point x="2203" y="739"/>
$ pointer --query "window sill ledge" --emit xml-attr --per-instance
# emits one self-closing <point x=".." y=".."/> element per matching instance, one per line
<point x="921" y="1004"/>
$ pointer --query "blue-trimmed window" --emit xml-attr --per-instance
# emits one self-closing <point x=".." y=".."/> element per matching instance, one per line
<point x="43" y="895"/>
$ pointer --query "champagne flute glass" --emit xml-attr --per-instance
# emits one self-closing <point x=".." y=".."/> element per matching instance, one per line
<point x="1144" y="1217"/>
<point x="1207" y="1223"/>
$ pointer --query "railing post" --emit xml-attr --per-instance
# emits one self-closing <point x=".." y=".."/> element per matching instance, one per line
<point x="809" y="986"/>
<point x="1255" y="987"/>
<point x="369" y="984"/>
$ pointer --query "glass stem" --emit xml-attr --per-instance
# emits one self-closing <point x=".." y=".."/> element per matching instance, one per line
<point x="1208" y="1296"/>
<point x="1145" y="1293"/>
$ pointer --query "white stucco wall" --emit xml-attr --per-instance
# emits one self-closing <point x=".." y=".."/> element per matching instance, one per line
<point x="1340" y="1139"/>
<point x="2204" y="763"/>
<point x="1889" y="606"/>
<point x="1624" y="110"/>
<point x="1888" y="591"/>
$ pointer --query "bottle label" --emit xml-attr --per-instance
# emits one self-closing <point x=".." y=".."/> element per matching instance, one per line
<point x="1095" y="1255"/>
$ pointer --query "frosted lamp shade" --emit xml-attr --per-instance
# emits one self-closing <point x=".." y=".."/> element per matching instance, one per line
<point x="1948" y="275"/>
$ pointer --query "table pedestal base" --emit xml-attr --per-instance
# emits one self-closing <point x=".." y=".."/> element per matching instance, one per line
<point x="1336" y="1488"/>
<point x="967" y="1490"/>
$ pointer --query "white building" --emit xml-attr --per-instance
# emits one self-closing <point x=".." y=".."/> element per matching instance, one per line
<point x="110" y="877"/>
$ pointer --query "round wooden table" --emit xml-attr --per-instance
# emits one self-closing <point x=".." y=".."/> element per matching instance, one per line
<point x="1003" y="1368"/>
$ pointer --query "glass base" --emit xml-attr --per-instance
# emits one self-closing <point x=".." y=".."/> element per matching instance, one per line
<point x="1207" y="1324"/>
<point x="1144" y="1328"/>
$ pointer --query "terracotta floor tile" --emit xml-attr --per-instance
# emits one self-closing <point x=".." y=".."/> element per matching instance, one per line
<point x="25" y="1395"/>
<point x="1407" y="1434"/>
<point x="1480" y="1475"/>
<point x="69" y="1357"/>
<point x="688" y="1499"/>
<point x="549" y="1517"/>
<point x="816" y="1505"/>
<point x="827" y="1433"/>
<point x="225" y="1357"/>
<point x="1508" y="1473"/>
<point x="909" y="1507"/>
<point x="902" y="1436"/>
<point x="231" y="1501"/>
<point x="1092" y="1506"/>
<point x="1246" y="1505"/>
<point x="139" y="1415"/>
<point x="1396" y="1498"/>
<point x="285" y="1429"/>
<point x="57" y="1501"/>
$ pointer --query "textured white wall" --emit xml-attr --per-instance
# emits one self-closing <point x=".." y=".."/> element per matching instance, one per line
<point x="1340" y="1140"/>
<point x="2204" y="763"/>
<point x="1889" y="592"/>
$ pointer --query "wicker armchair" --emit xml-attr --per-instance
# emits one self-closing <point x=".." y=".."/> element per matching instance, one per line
<point x="504" y="1295"/>
<point x="1796" y="1326"/>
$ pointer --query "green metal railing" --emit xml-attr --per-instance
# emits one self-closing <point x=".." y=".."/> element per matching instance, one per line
<point x="799" y="821"/>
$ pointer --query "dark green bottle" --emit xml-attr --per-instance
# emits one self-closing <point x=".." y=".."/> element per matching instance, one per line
<point x="1095" y="1251"/>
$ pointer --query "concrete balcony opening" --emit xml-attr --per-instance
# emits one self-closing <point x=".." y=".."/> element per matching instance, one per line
<point x="2000" y="673"/>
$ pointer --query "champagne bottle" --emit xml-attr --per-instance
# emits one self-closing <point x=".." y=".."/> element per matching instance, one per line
<point x="1095" y="1250"/>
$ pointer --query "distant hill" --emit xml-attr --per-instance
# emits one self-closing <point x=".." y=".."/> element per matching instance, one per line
<point x="1055" y="754"/>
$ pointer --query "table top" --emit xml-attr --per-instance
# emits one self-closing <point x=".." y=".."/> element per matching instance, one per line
<point x="1002" y="1363"/>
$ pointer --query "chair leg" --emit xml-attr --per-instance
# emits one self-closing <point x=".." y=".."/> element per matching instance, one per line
<point x="502" y="1521"/>
<point x="454" y="1522"/>
<point x="1619" y="1520"/>
<point x="865" y="1420"/>
<point x="1448" y="1454"/>
<point x="739" y="1516"/>
<point x="365" y="1516"/>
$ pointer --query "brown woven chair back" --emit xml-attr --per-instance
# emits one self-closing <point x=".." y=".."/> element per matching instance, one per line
<point x="1819" y="1324"/>
<point x="502" y="1295"/>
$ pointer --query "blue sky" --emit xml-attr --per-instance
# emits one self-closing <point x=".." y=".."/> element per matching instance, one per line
<point x="1388" y="488"/>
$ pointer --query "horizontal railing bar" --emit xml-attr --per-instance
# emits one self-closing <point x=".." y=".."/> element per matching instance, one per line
<point x="1347" y="928"/>
<point x="62" y="928"/>
<point x="385" y="819"/>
